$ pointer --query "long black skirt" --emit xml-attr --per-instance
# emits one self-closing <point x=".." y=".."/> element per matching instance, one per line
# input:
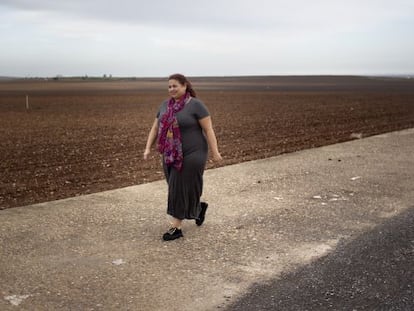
<point x="186" y="187"/>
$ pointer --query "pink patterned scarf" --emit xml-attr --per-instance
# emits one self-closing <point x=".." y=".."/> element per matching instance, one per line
<point x="169" y="135"/>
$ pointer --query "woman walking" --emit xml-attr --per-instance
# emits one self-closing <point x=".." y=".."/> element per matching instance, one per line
<point x="184" y="132"/>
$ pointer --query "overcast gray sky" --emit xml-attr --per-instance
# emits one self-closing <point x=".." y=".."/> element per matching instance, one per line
<point x="205" y="38"/>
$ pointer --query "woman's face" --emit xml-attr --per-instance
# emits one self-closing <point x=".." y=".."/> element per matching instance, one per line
<point x="176" y="89"/>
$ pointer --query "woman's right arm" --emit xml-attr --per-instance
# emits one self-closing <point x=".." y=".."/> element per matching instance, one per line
<point x="152" y="136"/>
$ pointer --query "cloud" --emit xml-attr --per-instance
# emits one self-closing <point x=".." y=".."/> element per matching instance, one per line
<point x="205" y="37"/>
<point x="229" y="14"/>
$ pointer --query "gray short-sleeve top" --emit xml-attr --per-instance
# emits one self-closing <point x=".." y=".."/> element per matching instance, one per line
<point x="192" y="136"/>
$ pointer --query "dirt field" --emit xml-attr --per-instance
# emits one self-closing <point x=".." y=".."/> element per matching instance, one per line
<point x="80" y="137"/>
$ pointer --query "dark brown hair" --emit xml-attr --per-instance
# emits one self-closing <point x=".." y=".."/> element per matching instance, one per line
<point x="183" y="81"/>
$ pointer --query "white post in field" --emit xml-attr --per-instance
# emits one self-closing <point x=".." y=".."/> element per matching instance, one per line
<point x="27" y="102"/>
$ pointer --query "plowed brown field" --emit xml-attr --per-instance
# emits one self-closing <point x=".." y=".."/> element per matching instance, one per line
<point x="80" y="137"/>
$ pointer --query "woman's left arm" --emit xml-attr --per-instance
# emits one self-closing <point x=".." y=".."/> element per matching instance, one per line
<point x="207" y="127"/>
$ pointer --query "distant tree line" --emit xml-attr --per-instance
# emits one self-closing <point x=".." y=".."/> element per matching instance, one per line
<point x="85" y="77"/>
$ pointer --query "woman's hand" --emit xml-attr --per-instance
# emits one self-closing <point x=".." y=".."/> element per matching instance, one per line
<point x="146" y="153"/>
<point x="217" y="157"/>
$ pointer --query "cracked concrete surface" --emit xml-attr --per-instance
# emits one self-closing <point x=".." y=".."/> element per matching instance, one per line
<point x="104" y="251"/>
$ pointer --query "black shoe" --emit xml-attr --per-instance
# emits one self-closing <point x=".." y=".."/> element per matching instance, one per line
<point x="202" y="215"/>
<point x="172" y="234"/>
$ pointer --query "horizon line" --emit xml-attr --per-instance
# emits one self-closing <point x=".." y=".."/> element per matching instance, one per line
<point x="112" y="77"/>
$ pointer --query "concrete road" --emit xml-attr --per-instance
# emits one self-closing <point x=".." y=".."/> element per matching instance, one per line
<point x="326" y="228"/>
